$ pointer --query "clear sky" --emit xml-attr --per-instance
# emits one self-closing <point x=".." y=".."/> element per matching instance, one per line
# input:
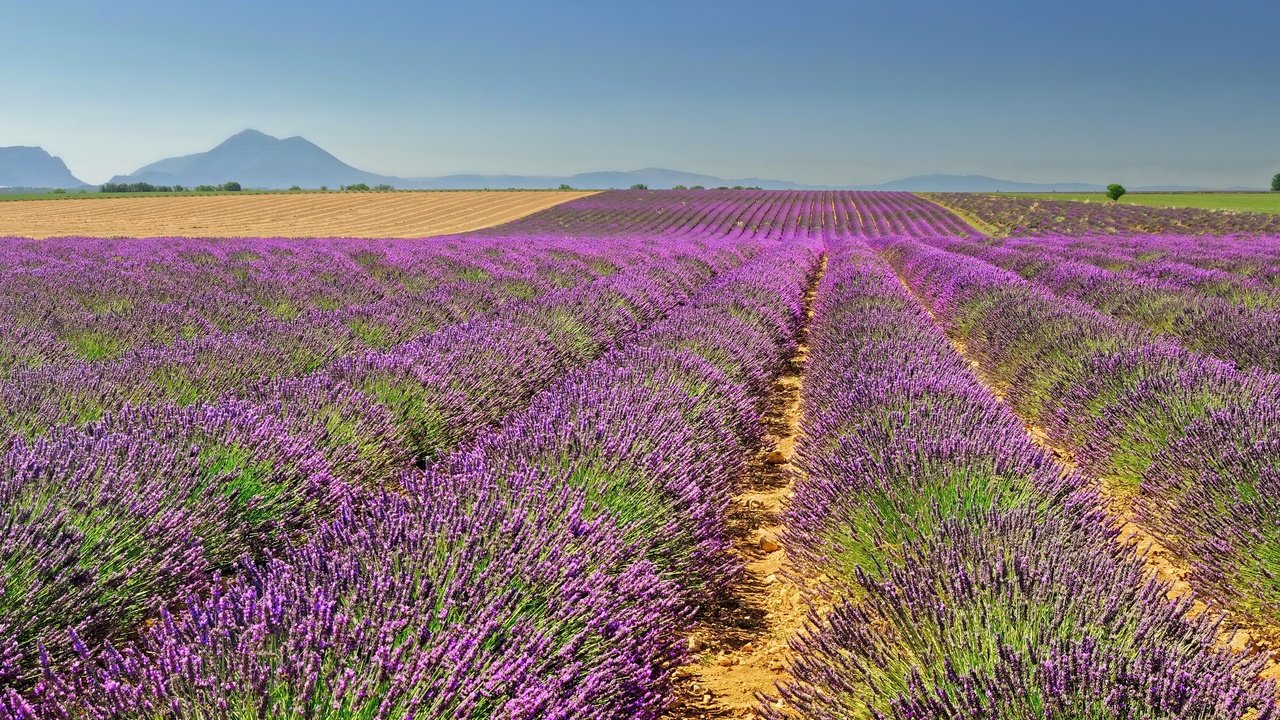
<point x="817" y="91"/>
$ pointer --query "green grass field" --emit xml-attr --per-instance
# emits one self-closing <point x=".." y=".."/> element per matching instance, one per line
<point x="1268" y="202"/>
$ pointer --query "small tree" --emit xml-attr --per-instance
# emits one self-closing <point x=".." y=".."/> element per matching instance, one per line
<point x="1275" y="183"/>
<point x="565" y="186"/>
<point x="231" y="186"/>
<point x="639" y="186"/>
<point x="1115" y="191"/>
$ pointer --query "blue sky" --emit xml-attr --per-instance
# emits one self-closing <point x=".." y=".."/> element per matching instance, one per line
<point x="826" y="92"/>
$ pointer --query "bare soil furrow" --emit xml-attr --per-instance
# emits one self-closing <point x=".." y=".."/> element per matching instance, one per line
<point x="741" y="648"/>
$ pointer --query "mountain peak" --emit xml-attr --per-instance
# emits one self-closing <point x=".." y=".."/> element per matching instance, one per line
<point x="33" y="167"/>
<point x="251" y="133"/>
<point x="256" y="160"/>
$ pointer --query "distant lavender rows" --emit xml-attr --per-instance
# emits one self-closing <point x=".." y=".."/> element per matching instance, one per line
<point x="1190" y="442"/>
<point x="973" y="576"/>
<point x="86" y="300"/>
<point x="1174" y="302"/>
<point x="1034" y="216"/>
<point x="547" y="570"/>
<point x="1239" y="268"/>
<point x="769" y="214"/>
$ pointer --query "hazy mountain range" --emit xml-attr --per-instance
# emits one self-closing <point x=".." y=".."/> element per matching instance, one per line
<point x="34" y="168"/>
<point x="258" y="160"/>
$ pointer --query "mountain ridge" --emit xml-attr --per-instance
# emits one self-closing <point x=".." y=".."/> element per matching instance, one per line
<point x="24" y="166"/>
<point x="261" y="161"/>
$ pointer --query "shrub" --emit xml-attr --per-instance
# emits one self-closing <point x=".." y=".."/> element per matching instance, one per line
<point x="639" y="186"/>
<point x="1115" y="191"/>
<point x="1275" y="183"/>
<point x="231" y="186"/>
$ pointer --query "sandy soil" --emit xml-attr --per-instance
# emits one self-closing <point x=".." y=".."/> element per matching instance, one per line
<point x="395" y="214"/>
<point x="741" y="646"/>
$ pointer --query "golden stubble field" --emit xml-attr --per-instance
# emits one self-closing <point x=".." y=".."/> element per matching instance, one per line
<point x="396" y="214"/>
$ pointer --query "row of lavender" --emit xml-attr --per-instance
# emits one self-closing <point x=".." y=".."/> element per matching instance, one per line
<point x="88" y="301"/>
<point x="1236" y="270"/>
<point x="1013" y="215"/>
<point x="76" y="300"/>
<point x="240" y="364"/>
<point x="1244" y="270"/>
<point x="1191" y="442"/>
<point x="109" y="522"/>
<point x="769" y="214"/>
<point x="1248" y="337"/>
<point x="972" y="576"/>
<point x="545" y="570"/>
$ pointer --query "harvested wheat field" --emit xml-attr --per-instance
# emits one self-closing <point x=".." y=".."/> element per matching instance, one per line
<point x="381" y="215"/>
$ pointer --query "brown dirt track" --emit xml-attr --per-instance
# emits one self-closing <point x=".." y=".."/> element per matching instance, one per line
<point x="375" y="215"/>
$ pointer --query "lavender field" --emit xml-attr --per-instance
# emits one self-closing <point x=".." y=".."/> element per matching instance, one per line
<point x="527" y="472"/>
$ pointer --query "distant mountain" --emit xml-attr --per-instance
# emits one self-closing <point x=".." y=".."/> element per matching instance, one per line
<point x="655" y="178"/>
<point x="257" y="160"/>
<point x="977" y="183"/>
<point x="32" y="167"/>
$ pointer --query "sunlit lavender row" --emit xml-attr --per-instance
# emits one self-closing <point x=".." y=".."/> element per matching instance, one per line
<point x="972" y="576"/>
<point x="547" y="570"/>
<point x="1189" y="442"/>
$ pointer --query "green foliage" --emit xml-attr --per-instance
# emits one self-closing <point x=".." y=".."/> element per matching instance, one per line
<point x="95" y="345"/>
<point x="679" y="187"/>
<point x="1275" y="183"/>
<point x="231" y="186"/>
<point x="206" y="188"/>
<point x="295" y="188"/>
<point x="566" y="186"/>
<point x="133" y="187"/>
<point x="1266" y="202"/>
<point x="1115" y="191"/>
<point x="639" y="186"/>
<point x="384" y="187"/>
<point x="358" y="187"/>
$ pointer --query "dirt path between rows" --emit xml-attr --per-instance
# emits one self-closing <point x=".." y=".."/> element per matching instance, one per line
<point x="1157" y="557"/>
<point x="741" y="645"/>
